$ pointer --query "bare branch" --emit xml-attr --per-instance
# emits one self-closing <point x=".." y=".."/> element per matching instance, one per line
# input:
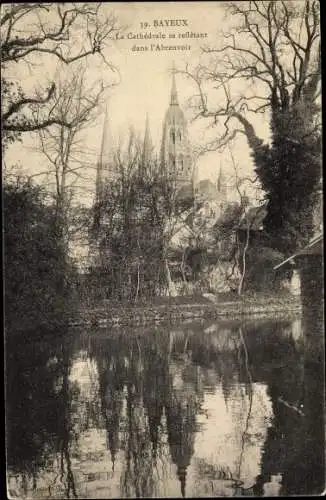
<point x="29" y="30"/>
<point x="16" y="106"/>
<point x="267" y="46"/>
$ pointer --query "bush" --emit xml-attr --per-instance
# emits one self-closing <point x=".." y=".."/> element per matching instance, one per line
<point x="260" y="275"/>
<point x="35" y="263"/>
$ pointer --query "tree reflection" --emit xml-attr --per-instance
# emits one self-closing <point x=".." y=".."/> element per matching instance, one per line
<point x="37" y="407"/>
<point x="155" y="382"/>
<point x="112" y="376"/>
<point x="142" y="371"/>
<point x="181" y="427"/>
<point x="295" y="443"/>
<point x="249" y="392"/>
<point x="123" y="374"/>
<point x="65" y="427"/>
<point x="148" y="394"/>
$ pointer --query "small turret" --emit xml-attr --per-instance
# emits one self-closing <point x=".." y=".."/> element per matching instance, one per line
<point x="221" y="187"/>
<point x="221" y="182"/>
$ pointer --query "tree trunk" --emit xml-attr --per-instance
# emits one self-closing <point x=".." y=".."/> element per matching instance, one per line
<point x="244" y="261"/>
<point x="171" y="286"/>
<point x="137" y="290"/>
<point x="183" y="267"/>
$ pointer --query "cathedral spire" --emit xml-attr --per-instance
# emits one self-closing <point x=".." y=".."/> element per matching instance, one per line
<point x="176" y="154"/>
<point x="174" y="94"/>
<point x="147" y="146"/>
<point x="104" y="142"/>
<point x="99" y="170"/>
<point x="105" y="162"/>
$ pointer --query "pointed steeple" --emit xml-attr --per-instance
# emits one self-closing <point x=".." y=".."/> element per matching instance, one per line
<point x="99" y="170"/>
<point x="174" y="94"/>
<point x="105" y="165"/>
<point x="147" y="147"/>
<point x="104" y="135"/>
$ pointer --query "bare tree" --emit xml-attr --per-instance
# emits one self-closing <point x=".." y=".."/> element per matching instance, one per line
<point x="77" y="103"/>
<point x="177" y="219"/>
<point x="243" y="219"/>
<point x="269" y="60"/>
<point x="273" y="47"/>
<point x="135" y="220"/>
<point x="64" y="32"/>
<point x="232" y="231"/>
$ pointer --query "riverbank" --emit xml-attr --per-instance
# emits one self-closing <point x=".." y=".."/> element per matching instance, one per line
<point x="176" y="309"/>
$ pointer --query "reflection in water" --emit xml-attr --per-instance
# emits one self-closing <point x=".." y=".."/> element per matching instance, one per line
<point x="198" y="410"/>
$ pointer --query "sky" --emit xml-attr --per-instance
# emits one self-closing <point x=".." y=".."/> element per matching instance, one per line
<point x="145" y="83"/>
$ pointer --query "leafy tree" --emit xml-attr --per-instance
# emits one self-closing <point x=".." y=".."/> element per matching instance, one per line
<point x="35" y="266"/>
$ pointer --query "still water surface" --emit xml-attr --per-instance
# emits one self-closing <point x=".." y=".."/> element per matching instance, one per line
<point x="206" y="409"/>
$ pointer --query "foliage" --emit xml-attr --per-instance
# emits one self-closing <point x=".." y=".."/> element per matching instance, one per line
<point x="36" y="272"/>
<point x="290" y="171"/>
<point x="260" y="275"/>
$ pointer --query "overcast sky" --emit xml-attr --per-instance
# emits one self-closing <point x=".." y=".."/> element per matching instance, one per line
<point x="145" y="83"/>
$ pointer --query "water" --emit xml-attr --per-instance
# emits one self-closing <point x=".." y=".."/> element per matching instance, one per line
<point x="216" y="409"/>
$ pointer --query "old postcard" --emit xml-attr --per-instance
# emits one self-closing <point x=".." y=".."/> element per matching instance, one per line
<point x="163" y="243"/>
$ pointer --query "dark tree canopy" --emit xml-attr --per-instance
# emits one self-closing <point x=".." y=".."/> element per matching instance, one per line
<point x="33" y="259"/>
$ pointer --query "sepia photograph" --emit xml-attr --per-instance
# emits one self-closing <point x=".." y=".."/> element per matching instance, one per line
<point x="163" y="249"/>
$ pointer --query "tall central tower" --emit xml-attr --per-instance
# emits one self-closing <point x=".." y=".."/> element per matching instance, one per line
<point x="176" y="158"/>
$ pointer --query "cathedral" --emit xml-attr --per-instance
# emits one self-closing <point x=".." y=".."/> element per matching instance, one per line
<point x="176" y="160"/>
